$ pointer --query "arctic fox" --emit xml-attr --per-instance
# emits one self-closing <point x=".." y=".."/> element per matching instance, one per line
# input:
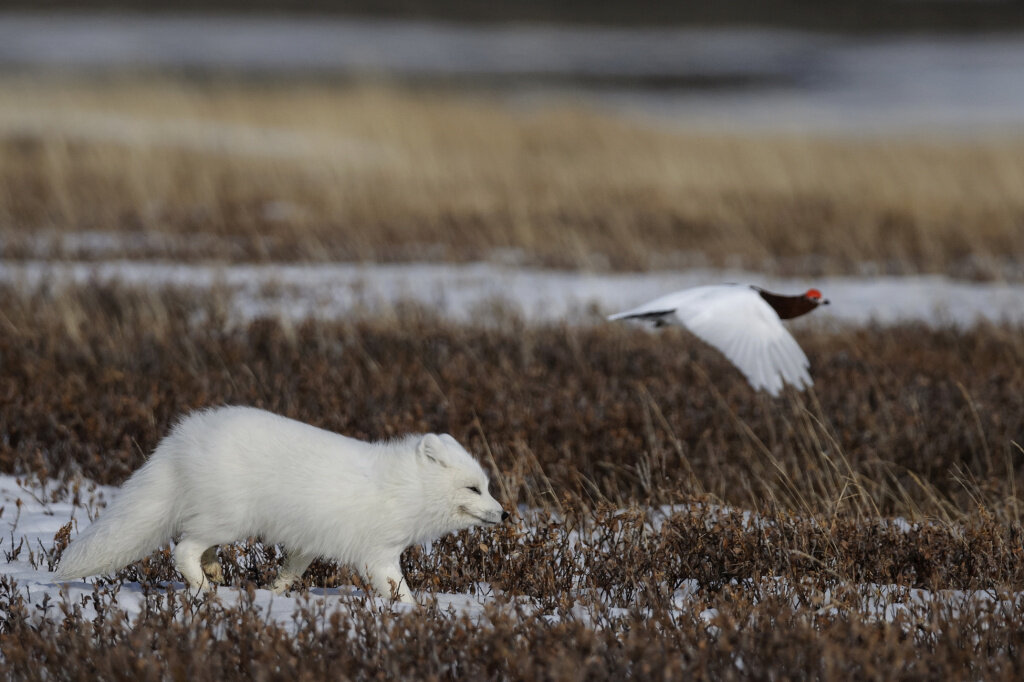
<point x="228" y="473"/>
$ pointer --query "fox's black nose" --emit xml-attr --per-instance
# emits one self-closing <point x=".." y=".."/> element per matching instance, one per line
<point x="504" y="515"/>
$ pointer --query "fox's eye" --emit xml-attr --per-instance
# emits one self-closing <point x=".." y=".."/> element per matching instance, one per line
<point x="474" y="489"/>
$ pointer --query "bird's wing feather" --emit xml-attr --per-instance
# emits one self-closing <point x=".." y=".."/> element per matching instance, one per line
<point x="739" y="323"/>
<point x="667" y="304"/>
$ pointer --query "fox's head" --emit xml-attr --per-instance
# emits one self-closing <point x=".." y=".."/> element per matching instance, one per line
<point x="456" y="484"/>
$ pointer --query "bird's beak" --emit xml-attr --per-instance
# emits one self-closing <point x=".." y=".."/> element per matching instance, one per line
<point x="823" y="301"/>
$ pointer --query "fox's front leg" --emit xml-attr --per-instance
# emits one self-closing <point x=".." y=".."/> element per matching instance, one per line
<point x="188" y="559"/>
<point x="291" y="572"/>
<point x="389" y="582"/>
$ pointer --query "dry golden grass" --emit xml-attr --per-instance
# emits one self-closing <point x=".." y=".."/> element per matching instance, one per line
<point x="306" y="171"/>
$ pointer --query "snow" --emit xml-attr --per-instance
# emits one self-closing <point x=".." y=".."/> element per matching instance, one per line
<point x="766" y="79"/>
<point x="471" y="292"/>
<point x="286" y="44"/>
<point x="31" y="519"/>
<point x="35" y="511"/>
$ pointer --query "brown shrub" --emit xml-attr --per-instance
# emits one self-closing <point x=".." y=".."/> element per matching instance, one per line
<point x="904" y="420"/>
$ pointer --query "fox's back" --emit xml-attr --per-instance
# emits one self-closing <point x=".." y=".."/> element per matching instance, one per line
<point x="257" y="452"/>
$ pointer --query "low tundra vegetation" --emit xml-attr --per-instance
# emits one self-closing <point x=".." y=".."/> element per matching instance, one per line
<point x="670" y="521"/>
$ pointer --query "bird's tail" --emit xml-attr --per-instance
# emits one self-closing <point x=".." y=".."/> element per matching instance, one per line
<point x="140" y="519"/>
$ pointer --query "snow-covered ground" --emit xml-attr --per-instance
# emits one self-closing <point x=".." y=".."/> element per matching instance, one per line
<point x="764" y="79"/>
<point x="30" y="519"/>
<point x="473" y="291"/>
<point x="32" y="515"/>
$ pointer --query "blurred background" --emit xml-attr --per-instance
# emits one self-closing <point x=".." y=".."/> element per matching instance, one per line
<point x="889" y="65"/>
<point x="783" y="138"/>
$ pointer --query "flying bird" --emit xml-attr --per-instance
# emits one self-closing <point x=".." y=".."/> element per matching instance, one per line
<point x="744" y="322"/>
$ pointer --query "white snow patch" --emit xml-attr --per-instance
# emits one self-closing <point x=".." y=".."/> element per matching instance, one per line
<point x="30" y="516"/>
<point x="468" y="292"/>
<point x="29" y="520"/>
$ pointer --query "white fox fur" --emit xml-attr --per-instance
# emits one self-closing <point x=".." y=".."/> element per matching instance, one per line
<point x="229" y="473"/>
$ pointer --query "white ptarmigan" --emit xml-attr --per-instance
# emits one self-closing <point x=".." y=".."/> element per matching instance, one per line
<point x="744" y="322"/>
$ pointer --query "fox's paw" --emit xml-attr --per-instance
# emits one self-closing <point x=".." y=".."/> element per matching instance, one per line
<point x="214" y="572"/>
<point x="282" y="584"/>
<point x="211" y="566"/>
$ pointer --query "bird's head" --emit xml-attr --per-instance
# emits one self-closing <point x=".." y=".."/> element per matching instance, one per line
<point x="814" y="296"/>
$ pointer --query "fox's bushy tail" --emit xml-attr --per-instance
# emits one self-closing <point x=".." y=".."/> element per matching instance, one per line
<point x="141" y="518"/>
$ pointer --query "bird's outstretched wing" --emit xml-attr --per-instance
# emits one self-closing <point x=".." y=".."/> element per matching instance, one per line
<point x="666" y="305"/>
<point x="739" y="323"/>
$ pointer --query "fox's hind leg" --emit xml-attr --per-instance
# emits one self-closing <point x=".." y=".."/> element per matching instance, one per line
<point x="211" y="566"/>
<point x="188" y="559"/>
<point x="295" y="565"/>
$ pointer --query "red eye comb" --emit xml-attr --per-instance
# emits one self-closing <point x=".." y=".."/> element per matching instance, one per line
<point x="813" y="293"/>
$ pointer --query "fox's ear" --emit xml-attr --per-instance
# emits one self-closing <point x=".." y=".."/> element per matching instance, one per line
<point x="449" y="439"/>
<point x="432" y="449"/>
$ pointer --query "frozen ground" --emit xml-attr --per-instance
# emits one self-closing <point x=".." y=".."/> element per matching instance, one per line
<point x="475" y="291"/>
<point x="32" y="515"/>
<point x="719" y="78"/>
<point x="30" y="519"/>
